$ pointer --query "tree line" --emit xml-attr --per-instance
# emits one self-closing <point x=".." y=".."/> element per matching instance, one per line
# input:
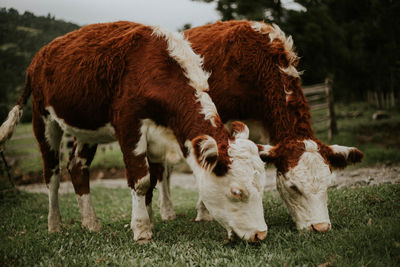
<point x="21" y="37"/>
<point x="355" y="42"/>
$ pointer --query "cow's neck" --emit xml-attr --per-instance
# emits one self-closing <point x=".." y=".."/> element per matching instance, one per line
<point x="188" y="122"/>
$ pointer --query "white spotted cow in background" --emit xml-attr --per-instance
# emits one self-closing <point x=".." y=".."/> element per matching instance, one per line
<point x="144" y="87"/>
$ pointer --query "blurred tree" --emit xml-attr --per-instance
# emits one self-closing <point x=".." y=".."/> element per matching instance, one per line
<point x="355" y="41"/>
<point x="21" y="36"/>
<point x="185" y="27"/>
<point x="269" y="10"/>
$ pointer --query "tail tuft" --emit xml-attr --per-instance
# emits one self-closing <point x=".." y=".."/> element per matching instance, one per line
<point x="8" y="127"/>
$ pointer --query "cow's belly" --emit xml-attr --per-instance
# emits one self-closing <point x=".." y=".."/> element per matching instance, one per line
<point x="161" y="143"/>
<point x="102" y="135"/>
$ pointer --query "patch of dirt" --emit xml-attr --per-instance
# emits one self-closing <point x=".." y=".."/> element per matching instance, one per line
<point x="20" y="178"/>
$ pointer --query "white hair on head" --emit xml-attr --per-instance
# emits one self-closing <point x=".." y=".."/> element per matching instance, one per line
<point x="310" y="146"/>
<point x="247" y="153"/>
<point x="275" y="33"/>
<point x="192" y="64"/>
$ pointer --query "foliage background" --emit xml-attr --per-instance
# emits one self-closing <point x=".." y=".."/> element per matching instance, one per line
<point x="21" y="37"/>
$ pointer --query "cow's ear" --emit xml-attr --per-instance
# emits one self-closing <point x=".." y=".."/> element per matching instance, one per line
<point x="239" y="130"/>
<point x="267" y="153"/>
<point x="205" y="150"/>
<point x="340" y="156"/>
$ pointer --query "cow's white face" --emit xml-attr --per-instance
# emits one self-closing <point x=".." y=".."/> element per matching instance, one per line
<point x="304" y="175"/>
<point x="234" y="199"/>
<point x="304" y="191"/>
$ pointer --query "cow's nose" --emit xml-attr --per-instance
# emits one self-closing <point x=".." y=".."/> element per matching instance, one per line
<point x="259" y="236"/>
<point x="321" y="227"/>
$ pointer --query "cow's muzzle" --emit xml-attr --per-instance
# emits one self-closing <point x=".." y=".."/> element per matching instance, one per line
<point x="320" y="227"/>
<point x="259" y="236"/>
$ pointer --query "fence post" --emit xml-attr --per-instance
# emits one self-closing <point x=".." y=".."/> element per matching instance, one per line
<point x="333" y="130"/>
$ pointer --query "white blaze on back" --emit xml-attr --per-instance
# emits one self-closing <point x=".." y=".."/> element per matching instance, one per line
<point x="275" y="33"/>
<point x="192" y="64"/>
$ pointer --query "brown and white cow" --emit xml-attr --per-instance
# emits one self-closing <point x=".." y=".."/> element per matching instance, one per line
<point x="145" y="87"/>
<point x="254" y="77"/>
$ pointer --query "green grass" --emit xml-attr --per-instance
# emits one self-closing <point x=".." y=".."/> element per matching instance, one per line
<point x="352" y="241"/>
<point x="379" y="140"/>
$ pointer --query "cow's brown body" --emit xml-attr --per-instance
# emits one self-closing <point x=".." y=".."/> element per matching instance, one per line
<point x="122" y="80"/>
<point x="135" y="84"/>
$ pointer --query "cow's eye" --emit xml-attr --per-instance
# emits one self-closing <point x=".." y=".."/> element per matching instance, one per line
<point x="295" y="188"/>
<point x="237" y="193"/>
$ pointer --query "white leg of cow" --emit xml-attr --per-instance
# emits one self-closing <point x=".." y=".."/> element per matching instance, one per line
<point x="48" y="134"/>
<point x="88" y="215"/>
<point x="164" y="199"/>
<point x="140" y="223"/>
<point x="202" y="212"/>
<point x="54" y="218"/>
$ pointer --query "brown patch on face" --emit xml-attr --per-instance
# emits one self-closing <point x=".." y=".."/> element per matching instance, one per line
<point x="289" y="155"/>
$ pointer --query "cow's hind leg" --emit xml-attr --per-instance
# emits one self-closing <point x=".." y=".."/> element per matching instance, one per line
<point x="48" y="134"/>
<point x="164" y="199"/>
<point x="78" y="166"/>
<point x="156" y="170"/>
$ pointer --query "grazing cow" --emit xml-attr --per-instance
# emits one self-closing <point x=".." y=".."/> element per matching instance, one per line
<point x="145" y="87"/>
<point x="254" y="77"/>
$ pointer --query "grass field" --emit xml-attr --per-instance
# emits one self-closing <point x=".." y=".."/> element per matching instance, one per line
<point x="366" y="232"/>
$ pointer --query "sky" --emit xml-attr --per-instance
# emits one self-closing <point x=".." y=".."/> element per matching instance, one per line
<point x="171" y="14"/>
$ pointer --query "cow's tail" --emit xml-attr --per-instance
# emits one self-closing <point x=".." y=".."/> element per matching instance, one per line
<point x="8" y="127"/>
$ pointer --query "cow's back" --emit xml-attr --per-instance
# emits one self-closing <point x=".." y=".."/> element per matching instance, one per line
<point x="79" y="73"/>
<point x="224" y="47"/>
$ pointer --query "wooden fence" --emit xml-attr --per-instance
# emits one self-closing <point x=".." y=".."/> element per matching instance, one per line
<point x="320" y="97"/>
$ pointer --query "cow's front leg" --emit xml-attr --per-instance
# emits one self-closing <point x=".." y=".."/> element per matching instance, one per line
<point x="140" y="183"/>
<point x="140" y="223"/>
<point x="133" y="143"/>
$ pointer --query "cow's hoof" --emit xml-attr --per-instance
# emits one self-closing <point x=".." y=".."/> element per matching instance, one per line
<point x="168" y="214"/>
<point x="92" y="225"/>
<point x="142" y="236"/>
<point x="143" y="241"/>
<point x="54" y="228"/>
<point x="54" y="224"/>
<point x="203" y="218"/>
